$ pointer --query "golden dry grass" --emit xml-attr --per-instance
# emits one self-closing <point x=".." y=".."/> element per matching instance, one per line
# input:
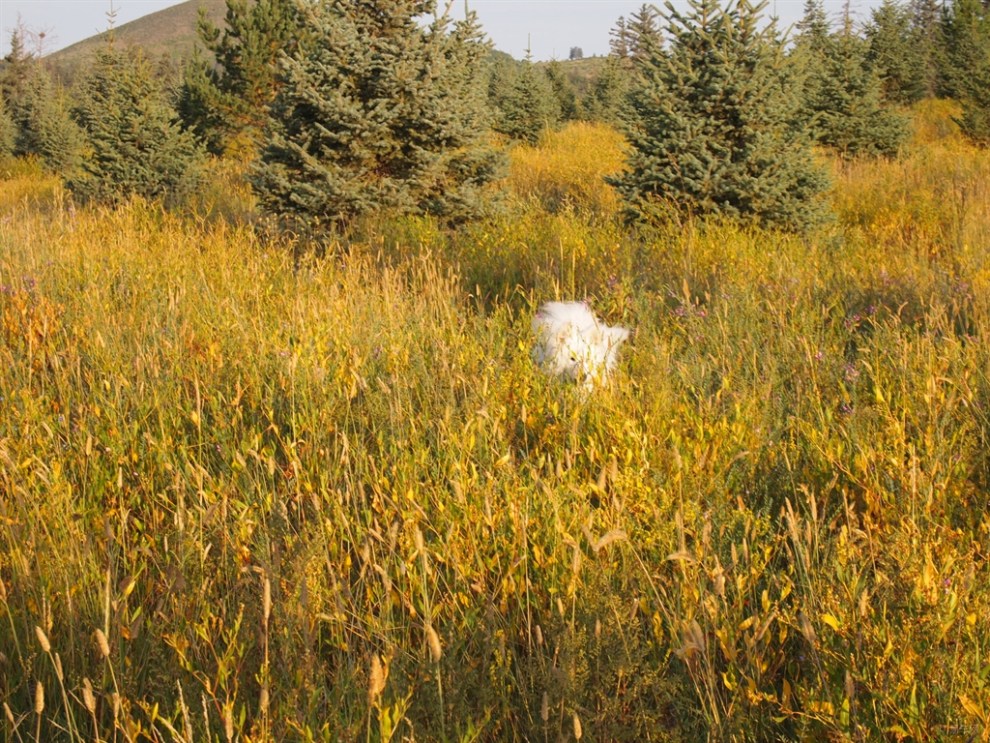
<point x="244" y="497"/>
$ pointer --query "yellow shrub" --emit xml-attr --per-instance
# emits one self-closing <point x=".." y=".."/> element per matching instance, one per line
<point x="566" y="170"/>
<point x="935" y="121"/>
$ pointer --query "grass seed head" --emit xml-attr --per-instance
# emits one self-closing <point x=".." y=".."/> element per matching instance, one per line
<point x="101" y="642"/>
<point x="42" y="639"/>
<point x="376" y="679"/>
<point x="267" y="598"/>
<point x="88" y="698"/>
<point x="39" y="698"/>
<point x="433" y="640"/>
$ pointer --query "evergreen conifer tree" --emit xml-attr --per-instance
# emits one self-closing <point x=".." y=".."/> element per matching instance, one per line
<point x="529" y="106"/>
<point x="619" y="39"/>
<point x="966" y="35"/>
<point x="813" y="28"/>
<point x="892" y="52"/>
<point x="643" y="32"/>
<point x="8" y="131"/>
<point x="965" y="30"/>
<point x="225" y="100"/>
<point x="606" y="99"/>
<point x="17" y="68"/>
<point x="135" y="144"/>
<point x="376" y="113"/>
<point x="563" y="91"/>
<point x="843" y="102"/>
<point x="926" y="40"/>
<point x="38" y="110"/>
<point x="711" y="125"/>
<point x="45" y="127"/>
<point x="975" y="120"/>
<point x="850" y="114"/>
<point x="199" y="104"/>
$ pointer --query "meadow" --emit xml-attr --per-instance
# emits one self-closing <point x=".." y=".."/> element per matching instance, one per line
<point x="252" y="493"/>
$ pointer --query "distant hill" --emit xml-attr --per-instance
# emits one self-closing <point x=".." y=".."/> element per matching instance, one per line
<point x="169" y="34"/>
<point x="581" y="72"/>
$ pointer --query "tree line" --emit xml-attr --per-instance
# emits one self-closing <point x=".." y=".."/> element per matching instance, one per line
<point x="345" y="108"/>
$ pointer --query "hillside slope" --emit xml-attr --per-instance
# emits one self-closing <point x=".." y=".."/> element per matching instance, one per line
<point x="169" y="33"/>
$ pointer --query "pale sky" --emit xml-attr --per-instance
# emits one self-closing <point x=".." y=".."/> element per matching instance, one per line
<point x="551" y="27"/>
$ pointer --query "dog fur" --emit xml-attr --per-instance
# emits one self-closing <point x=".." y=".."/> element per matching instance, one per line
<point x="573" y="344"/>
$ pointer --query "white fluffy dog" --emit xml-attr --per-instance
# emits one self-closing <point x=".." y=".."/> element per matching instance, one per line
<point x="574" y="344"/>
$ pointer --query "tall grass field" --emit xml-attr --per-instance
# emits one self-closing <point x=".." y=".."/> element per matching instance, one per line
<point x="249" y="493"/>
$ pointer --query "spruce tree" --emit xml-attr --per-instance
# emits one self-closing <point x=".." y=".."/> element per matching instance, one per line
<point x="618" y="43"/>
<point x="643" y="32"/>
<point x="377" y="113"/>
<point x="711" y="125"/>
<point x="813" y="28"/>
<point x="975" y="120"/>
<point x="201" y="106"/>
<point x="843" y="104"/>
<point x="965" y="32"/>
<point x="850" y="114"/>
<point x="8" y="131"/>
<point x="809" y="49"/>
<point x="563" y="91"/>
<point x="926" y="40"/>
<point x="225" y="100"/>
<point x="892" y="52"/>
<point x="43" y="126"/>
<point x="606" y="99"/>
<point x="135" y="144"/>
<point x="966" y="36"/>
<point x="18" y="66"/>
<point x="529" y="105"/>
<point x="38" y="111"/>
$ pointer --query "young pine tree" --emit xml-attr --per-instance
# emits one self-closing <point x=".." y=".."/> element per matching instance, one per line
<point x="376" y="113"/>
<point x="38" y="112"/>
<point x="225" y="100"/>
<point x="563" y="91"/>
<point x="711" y="125"/>
<point x="892" y="52"/>
<point x="8" y="131"/>
<point x="851" y="115"/>
<point x="966" y="39"/>
<point x="606" y="98"/>
<point x="529" y="105"/>
<point x="926" y="39"/>
<point x="135" y="145"/>
<point x="843" y="102"/>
